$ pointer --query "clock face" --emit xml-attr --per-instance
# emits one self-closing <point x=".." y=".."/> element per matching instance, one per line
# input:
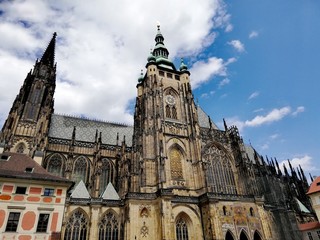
<point x="170" y="99"/>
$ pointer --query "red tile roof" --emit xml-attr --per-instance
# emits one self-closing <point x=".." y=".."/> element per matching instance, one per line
<point x="315" y="186"/>
<point x="13" y="165"/>
<point x="309" y="226"/>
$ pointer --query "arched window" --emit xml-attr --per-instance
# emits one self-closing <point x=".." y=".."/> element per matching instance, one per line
<point x="181" y="229"/>
<point x="80" y="170"/>
<point x="174" y="112"/>
<point x="168" y="111"/>
<point x="224" y="210"/>
<point x="77" y="226"/>
<point x="55" y="165"/>
<point x="251" y="212"/>
<point x="175" y="164"/>
<point x="109" y="227"/>
<point x="219" y="172"/>
<point x="20" y="148"/>
<point x="107" y="174"/>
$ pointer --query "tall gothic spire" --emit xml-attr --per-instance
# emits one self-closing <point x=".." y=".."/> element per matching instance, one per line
<point x="48" y="55"/>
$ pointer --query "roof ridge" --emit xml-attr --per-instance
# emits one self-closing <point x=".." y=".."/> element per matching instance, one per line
<point x="92" y="119"/>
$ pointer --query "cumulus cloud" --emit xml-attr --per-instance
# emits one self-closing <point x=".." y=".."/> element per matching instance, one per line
<point x="274" y="115"/>
<point x="253" y="34"/>
<point x="253" y="95"/>
<point x="101" y="48"/>
<point x="237" y="45"/>
<point x="298" y="110"/>
<point x="203" y="71"/>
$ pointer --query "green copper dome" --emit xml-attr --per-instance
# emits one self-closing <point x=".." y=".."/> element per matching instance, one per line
<point x="183" y="67"/>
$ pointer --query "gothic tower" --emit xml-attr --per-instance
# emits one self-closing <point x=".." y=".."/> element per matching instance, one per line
<point x="167" y="136"/>
<point x="26" y="128"/>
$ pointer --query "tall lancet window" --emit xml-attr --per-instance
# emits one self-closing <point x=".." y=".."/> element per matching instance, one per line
<point x="77" y="226"/>
<point x="182" y="228"/>
<point x="80" y="170"/>
<point x="107" y="174"/>
<point x="56" y="165"/>
<point x="109" y="227"/>
<point x="176" y="164"/>
<point x="220" y="177"/>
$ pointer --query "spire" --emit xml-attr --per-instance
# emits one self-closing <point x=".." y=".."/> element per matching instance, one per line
<point x="48" y="55"/>
<point x="160" y="50"/>
<point x="285" y="170"/>
<point x="279" y="171"/>
<point x="311" y="178"/>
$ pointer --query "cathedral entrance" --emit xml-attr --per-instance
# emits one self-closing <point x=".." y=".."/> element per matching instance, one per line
<point x="256" y="236"/>
<point x="229" y="236"/>
<point x="243" y="236"/>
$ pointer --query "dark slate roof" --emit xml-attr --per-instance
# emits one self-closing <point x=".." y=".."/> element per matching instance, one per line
<point x="62" y="127"/>
<point x="14" y="165"/>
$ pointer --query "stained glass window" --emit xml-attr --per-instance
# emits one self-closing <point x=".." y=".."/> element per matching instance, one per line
<point x="77" y="227"/>
<point x="181" y="229"/>
<point x="107" y="174"/>
<point x="80" y="170"/>
<point x="109" y="227"/>
<point x="175" y="164"/>
<point x="55" y="165"/>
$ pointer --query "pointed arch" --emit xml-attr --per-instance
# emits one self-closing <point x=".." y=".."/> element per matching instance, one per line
<point x="219" y="170"/>
<point x="81" y="169"/>
<point x="107" y="174"/>
<point x="243" y="235"/>
<point x="229" y="235"/>
<point x="20" y="148"/>
<point x="56" y="164"/>
<point x="109" y="226"/>
<point x="257" y="235"/>
<point x="77" y="226"/>
<point x="183" y="226"/>
<point x="176" y="157"/>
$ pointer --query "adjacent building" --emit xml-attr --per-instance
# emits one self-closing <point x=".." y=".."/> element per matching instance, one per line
<point x="31" y="200"/>
<point x="172" y="175"/>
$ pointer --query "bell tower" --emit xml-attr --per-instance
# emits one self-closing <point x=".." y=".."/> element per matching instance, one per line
<point x="167" y="146"/>
<point x="27" y="126"/>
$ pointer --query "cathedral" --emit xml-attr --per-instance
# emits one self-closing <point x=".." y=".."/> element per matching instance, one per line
<point x="172" y="175"/>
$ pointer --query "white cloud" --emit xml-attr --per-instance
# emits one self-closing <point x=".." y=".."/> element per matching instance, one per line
<point x="305" y="161"/>
<point x="265" y="146"/>
<point x="237" y="45"/>
<point x="101" y="48"/>
<point x="274" y="115"/>
<point x="253" y="95"/>
<point x="298" y="110"/>
<point x="225" y="81"/>
<point x="203" y="71"/>
<point x="253" y="34"/>
<point x="274" y="136"/>
<point x="258" y="110"/>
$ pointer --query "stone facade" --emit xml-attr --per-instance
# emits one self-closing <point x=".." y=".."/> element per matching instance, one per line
<point x="176" y="174"/>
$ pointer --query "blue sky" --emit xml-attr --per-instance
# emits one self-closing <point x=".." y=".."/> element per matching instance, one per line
<point x="253" y="63"/>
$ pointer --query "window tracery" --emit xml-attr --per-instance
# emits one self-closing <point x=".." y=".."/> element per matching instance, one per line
<point x="107" y="174"/>
<point x="182" y="229"/>
<point x="176" y="164"/>
<point x="77" y="227"/>
<point x="20" y="148"/>
<point x="55" y="165"/>
<point x="219" y="175"/>
<point x="109" y="227"/>
<point x="80" y="170"/>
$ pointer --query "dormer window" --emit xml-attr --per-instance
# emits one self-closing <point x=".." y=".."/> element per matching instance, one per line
<point x="4" y="157"/>
<point x="29" y="169"/>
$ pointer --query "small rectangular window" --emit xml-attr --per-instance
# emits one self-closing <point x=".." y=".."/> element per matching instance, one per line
<point x="169" y="75"/>
<point x="177" y="77"/>
<point x="43" y="222"/>
<point x="161" y="73"/>
<point x="13" y="221"/>
<point x="48" y="192"/>
<point x="21" y="190"/>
